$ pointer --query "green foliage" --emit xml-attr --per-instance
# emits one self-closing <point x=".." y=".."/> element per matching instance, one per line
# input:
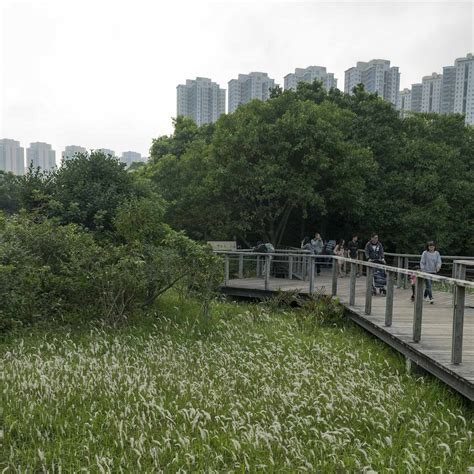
<point x="170" y="258"/>
<point x="46" y="271"/>
<point x="88" y="189"/>
<point x="185" y="133"/>
<point x="10" y="200"/>
<point x="319" y="310"/>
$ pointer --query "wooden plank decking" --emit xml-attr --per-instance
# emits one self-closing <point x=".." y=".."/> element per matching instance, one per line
<point x="433" y="352"/>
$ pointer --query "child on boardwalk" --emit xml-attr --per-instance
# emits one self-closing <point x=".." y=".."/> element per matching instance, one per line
<point x="339" y="251"/>
<point x="412" y="278"/>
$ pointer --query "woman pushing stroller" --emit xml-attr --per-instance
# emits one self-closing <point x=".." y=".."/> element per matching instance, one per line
<point x="374" y="253"/>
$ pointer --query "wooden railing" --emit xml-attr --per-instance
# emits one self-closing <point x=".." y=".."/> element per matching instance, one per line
<point x="305" y="263"/>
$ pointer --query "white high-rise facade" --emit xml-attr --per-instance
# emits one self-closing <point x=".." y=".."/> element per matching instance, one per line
<point x="404" y="102"/>
<point x="310" y="74"/>
<point x="41" y="155"/>
<point x="201" y="99"/>
<point x="12" y="156"/>
<point x="416" y="96"/>
<point x="129" y="157"/>
<point x="247" y="87"/>
<point x="431" y="93"/>
<point x="71" y="151"/>
<point x="464" y="88"/>
<point x="377" y="77"/>
<point x="448" y="88"/>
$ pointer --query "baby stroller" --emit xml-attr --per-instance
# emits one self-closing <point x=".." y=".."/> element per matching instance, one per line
<point x="379" y="281"/>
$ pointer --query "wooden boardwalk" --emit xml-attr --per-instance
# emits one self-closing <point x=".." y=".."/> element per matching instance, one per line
<point x="432" y="353"/>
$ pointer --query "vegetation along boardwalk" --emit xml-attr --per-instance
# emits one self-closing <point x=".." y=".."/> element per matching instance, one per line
<point x="437" y="337"/>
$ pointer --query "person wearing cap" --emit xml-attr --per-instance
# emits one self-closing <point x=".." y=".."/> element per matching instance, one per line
<point x="430" y="263"/>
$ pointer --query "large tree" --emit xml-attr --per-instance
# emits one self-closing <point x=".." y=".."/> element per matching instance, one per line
<point x="287" y="155"/>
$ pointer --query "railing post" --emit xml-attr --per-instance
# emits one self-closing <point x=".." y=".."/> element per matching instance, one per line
<point x="454" y="274"/>
<point x="389" y="300"/>
<point x="334" y="277"/>
<point x="267" y="272"/>
<point x="405" y="276"/>
<point x="458" y="316"/>
<point x="418" y="309"/>
<point x="360" y="256"/>
<point x="259" y="272"/>
<point x="311" y="275"/>
<point x="241" y="265"/>
<point x="399" y="275"/>
<point x="368" y="290"/>
<point x="352" y="284"/>
<point x="308" y="266"/>
<point x="304" y="269"/>
<point x="290" y="267"/>
<point x="226" y="269"/>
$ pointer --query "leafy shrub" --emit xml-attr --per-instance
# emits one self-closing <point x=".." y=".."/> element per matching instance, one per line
<point x="45" y="269"/>
<point x="319" y="310"/>
<point x="170" y="258"/>
<point x="48" y="271"/>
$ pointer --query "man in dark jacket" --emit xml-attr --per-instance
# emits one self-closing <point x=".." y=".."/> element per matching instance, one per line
<point x="353" y="246"/>
<point x="374" y="250"/>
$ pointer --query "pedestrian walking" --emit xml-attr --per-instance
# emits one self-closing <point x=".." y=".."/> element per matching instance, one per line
<point x="374" y="250"/>
<point x="318" y="245"/>
<point x="353" y="246"/>
<point x="430" y="263"/>
<point x="339" y="251"/>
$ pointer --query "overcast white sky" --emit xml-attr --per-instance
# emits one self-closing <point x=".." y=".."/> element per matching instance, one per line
<point x="102" y="73"/>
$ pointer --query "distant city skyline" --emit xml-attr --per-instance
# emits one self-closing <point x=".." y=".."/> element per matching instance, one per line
<point x="43" y="155"/>
<point x="117" y="87"/>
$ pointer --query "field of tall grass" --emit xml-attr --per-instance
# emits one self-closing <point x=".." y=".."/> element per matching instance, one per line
<point x="253" y="388"/>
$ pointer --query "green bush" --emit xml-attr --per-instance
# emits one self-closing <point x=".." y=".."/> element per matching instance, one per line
<point x="48" y="271"/>
<point x="171" y="259"/>
<point x="319" y="310"/>
<point x="45" y="269"/>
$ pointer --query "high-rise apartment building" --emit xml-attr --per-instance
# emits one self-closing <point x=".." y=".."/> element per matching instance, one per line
<point x="12" y="156"/>
<point x="448" y="86"/>
<point x="404" y="102"/>
<point x="416" y="96"/>
<point x="129" y="157"/>
<point x="377" y="77"/>
<point x="247" y="87"/>
<point x="41" y="155"/>
<point x="201" y="99"/>
<point x="310" y="74"/>
<point x="464" y="89"/>
<point x="431" y="93"/>
<point x="71" y="151"/>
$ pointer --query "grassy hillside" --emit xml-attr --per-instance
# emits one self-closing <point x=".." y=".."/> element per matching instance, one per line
<point x="254" y="388"/>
